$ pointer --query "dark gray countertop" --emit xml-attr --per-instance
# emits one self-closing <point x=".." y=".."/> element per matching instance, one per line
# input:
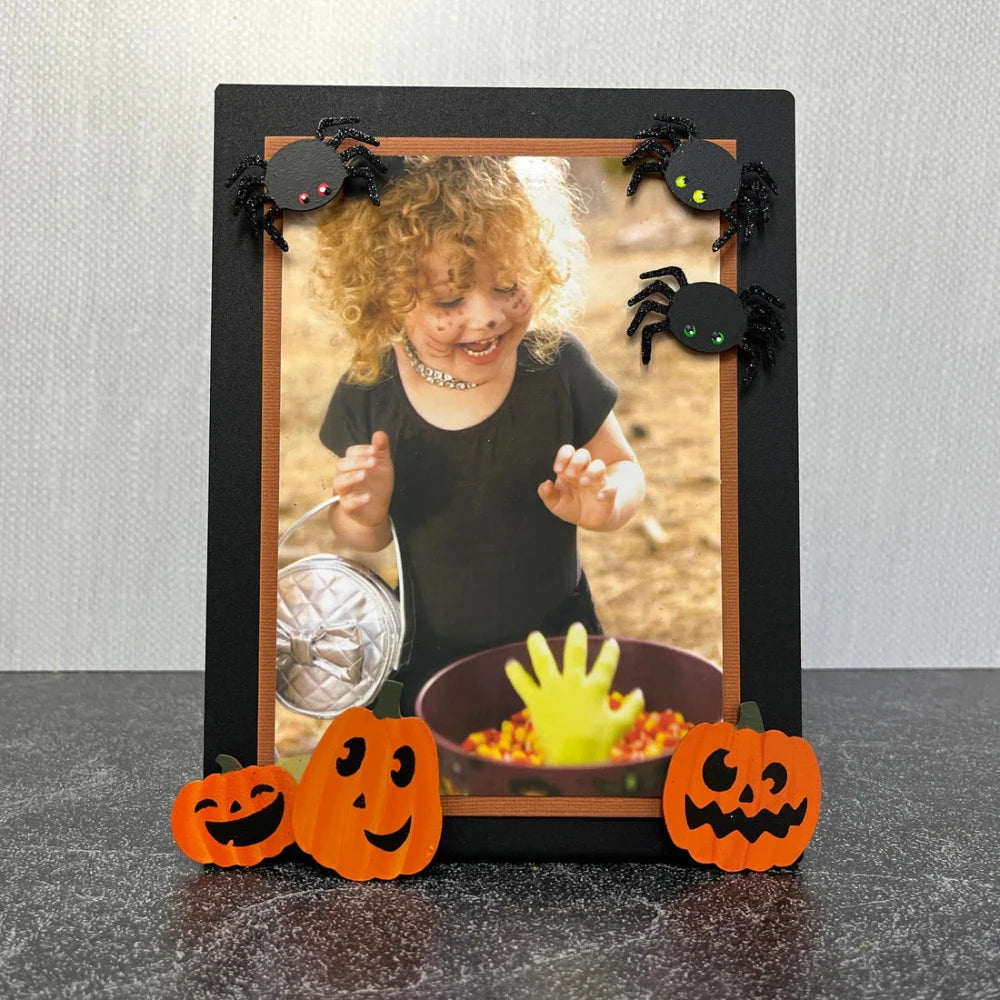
<point x="897" y="895"/>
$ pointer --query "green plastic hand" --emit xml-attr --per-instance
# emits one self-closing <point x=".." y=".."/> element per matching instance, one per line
<point x="572" y="720"/>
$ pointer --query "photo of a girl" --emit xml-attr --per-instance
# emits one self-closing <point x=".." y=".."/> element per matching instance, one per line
<point x="454" y="366"/>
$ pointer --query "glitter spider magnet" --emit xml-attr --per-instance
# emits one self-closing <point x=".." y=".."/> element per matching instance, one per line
<point x="709" y="318"/>
<point x="703" y="176"/>
<point x="304" y="175"/>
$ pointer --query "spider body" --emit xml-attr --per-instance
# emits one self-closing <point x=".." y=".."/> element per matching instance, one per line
<point x="703" y="176"/>
<point x="710" y="318"/>
<point x="707" y="317"/>
<point x="304" y="175"/>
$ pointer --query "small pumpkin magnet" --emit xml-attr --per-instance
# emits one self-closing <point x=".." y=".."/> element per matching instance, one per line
<point x="369" y="805"/>
<point x="236" y="818"/>
<point x="739" y="797"/>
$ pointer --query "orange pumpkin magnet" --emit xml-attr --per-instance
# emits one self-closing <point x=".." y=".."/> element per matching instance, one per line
<point x="238" y="817"/>
<point x="368" y="805"/>
<point x="738" y="797"/>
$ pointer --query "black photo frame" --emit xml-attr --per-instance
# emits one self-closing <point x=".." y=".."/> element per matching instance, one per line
<point x="764" y="565"/>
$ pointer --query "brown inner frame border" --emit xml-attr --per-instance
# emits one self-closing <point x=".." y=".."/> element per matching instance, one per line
<point x="489" y="805"/>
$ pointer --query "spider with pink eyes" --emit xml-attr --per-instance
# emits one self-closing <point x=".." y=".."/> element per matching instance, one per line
<point x="304" y="175"/>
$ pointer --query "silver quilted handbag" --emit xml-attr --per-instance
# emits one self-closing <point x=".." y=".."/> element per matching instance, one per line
<point x="340" y="630"/>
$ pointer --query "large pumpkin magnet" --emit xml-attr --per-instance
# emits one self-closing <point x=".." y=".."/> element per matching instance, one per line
<point x="238" y="817"/>
<point x="739" y="797"/>
<point x="368" y="805"/>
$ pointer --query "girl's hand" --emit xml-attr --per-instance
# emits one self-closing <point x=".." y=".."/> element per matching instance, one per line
<point x="364" y="482"/>
<point x="582" y="493"/>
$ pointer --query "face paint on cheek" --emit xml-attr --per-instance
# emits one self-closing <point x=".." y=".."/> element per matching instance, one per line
<point x="520" y="306"/>
<point x="444" y="323"/>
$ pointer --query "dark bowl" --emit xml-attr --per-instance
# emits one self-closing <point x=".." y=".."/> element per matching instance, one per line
<point x="474" y="694"/>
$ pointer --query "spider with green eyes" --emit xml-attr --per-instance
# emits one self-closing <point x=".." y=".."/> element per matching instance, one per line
<point x="703" y="176"/>
<point x="710" y="318"/>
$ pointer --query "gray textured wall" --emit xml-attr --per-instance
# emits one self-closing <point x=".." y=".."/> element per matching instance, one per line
<point x="105" y="264"/>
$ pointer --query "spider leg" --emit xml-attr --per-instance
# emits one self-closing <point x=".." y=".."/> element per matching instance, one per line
<point x="763" y="328"/>
<point x="646" y="167"/>
<point x="653" y="288"/>
<point x="753" y="206"/>
<point x="365" y="171"/>
<point x="325" y="123"/>
<point x="758" y="168"/>
<point x="647" y="339"/>
<point x="687" y="128"/>
<point x="747" y="211"/>
<point x="267" y="224"/>
<point x="760" y="338"/>
<point x="671" y="270"/>
<point x="765" y="335"/>
<point x="755" y="291"/>
<point x="650" y="146"/>
<point x="642" y="312"/>
<point x="363" y="154"/>
<point x="763" y="203"/>
<point x="253" y="160"/>
<point x="763" y="320"/>
<point x="243" y="191"/>
<point x="757" y="192"/>
<point x="656" y="132"/>
<point x="751" y="359"/>
<point x="252" y="206"/>
<point x="669" y="130"/>
<point x="729" y="233"/>
<point x="350" y="133"/>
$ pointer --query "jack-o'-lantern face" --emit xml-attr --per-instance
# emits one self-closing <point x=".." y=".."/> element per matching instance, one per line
<point x="238" y="817"/>
<point x="738" y="798"/>
<point x="368" y="804"/>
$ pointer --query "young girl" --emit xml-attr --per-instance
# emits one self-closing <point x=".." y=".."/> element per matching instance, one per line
<point x="469" y="417"/>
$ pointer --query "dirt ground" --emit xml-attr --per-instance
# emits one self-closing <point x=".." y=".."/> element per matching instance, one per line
<point x="659" y="577"/>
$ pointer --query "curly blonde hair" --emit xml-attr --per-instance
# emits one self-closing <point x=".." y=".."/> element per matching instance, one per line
<point x="518" y="212"/>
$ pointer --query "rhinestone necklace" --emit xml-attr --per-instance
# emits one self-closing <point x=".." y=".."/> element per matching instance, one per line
<point x="432" y="375"/>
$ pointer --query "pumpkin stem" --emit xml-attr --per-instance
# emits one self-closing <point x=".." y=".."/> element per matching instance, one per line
<point x="387" y="703"/>
<point x="227" y="763"/>
<point x="750" y="717"/>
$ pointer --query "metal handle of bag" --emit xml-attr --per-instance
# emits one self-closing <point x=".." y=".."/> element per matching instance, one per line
<point x="288" y="532"/>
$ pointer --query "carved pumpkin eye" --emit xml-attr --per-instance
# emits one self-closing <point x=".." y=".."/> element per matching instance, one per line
<point x="260" y="789"/>
<point x="205" y="803"/>
<point x="776" y="774"/>
<point x="407" y="765"/>
<point x="717" y="776"/>
<point x="351" y="763"/>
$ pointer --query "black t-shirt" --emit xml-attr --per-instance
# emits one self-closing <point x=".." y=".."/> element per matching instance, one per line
<point x="485" y="560"/>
